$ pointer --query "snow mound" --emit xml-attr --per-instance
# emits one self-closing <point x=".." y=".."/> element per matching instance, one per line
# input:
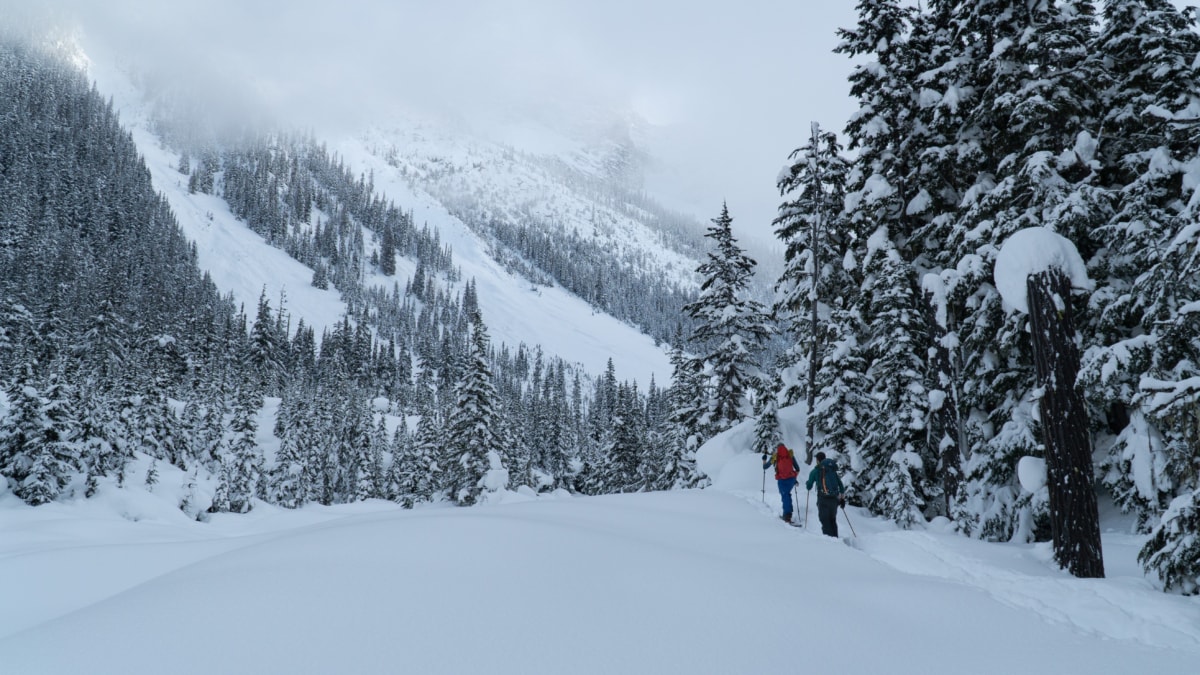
<point x="1031" y="251"/>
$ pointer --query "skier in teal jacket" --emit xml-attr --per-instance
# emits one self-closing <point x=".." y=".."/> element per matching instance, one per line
<point x="830" y="493"/>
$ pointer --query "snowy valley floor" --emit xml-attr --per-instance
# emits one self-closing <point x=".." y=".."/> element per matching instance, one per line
<point x="686" y="582"/>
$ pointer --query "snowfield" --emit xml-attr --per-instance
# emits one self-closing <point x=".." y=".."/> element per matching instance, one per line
<point x="699" y="581"/>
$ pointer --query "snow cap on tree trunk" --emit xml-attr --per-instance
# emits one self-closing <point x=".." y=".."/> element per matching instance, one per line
<point x="1030" y="251"/>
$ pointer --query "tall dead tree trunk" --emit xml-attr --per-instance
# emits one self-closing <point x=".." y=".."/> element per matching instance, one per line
<point x="815" y="234"/>
<point x="1074" y="519"/>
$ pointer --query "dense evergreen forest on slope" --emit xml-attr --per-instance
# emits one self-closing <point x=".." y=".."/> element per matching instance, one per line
<point x="114" y="343"/>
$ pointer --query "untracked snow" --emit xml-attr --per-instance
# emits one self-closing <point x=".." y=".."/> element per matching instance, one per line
<point x="699" y="581"/>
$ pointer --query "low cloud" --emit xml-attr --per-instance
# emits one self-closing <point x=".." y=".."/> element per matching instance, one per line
<point x="737" y="83"/>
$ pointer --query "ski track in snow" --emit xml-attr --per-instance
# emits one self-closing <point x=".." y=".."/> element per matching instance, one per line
<point x="1092" y="608"/>
<point x="1117" y="608"/>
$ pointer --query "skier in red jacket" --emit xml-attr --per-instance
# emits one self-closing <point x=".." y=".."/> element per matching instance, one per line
<point x="786" y="470"/>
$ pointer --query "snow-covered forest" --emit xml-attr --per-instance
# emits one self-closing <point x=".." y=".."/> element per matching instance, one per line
<point x="976" y="120"/>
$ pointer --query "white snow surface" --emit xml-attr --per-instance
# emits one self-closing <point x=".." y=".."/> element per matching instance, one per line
<point x="1030" y="251"/>
<point x="695" y="581"/>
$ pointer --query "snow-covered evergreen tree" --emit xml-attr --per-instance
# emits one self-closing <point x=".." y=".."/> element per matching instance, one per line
<point x="423" y="468"/>
<point x="290" y="477"/>
<point x="471" y="426"/>
<point x="38" y="450"/>
<point x="894" y="469"/>
<point x="1150" y="46"/>
<point x="731" y="328"/>
<point x="242" y="469"/>
<point x="816" y="278"/>
<point x="623" y="457"/>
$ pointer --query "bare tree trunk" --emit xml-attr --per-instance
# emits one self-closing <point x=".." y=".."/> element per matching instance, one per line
<point x="1074" y="520"/>
<point x="814" y="242"/>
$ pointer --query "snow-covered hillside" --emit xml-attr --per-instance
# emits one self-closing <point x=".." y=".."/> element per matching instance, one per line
<point x="514" y="309"/>
<point x="549" y="179"/>
<point x="701" y="581"/>
<point x="243" y="264"/>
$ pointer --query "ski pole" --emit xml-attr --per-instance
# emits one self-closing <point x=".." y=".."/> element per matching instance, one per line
<point x="848" y="521"/>
<point x="764" y="490"/>
<point x="807" y="499"/>
<point x="796" y="493"/>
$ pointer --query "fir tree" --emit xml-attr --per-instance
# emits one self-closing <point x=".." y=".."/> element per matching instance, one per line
<point x="893" y="473"/>
<point x="472" y="423"/>
<point x="243" y="469"/>
<point x="1150" y="45"/>
<point x="623" y="456"/>
<point x="814" y="279"/>
<point x="730" y="329"/>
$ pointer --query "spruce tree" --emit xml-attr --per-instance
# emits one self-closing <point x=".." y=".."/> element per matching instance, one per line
<point x="815" y="278"/>
<point x="1143" y="271"/>
<point x="472" y="423"/>
<point x="623" y="456"/>
<point x="894" y="473"/>
<point x="731" y="328"/>
<point x="242" y="469"/>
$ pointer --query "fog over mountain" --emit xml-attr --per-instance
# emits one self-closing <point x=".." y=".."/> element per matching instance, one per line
<point x="729" y="89"/>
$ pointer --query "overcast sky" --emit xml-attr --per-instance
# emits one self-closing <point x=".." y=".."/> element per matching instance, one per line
<point x="735" y="83"/>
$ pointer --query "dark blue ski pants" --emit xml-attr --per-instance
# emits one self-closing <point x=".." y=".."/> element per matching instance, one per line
<point x="785" y="492"/>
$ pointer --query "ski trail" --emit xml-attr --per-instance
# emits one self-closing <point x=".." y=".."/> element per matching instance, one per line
<point x="1095" y="607"/>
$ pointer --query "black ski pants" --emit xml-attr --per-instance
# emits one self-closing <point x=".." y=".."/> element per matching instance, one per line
<point x="827" y="506"/>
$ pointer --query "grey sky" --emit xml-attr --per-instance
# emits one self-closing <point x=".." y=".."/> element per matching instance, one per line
<point x="737" y="83"/>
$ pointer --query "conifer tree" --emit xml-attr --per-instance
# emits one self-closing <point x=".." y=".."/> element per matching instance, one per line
<point x="472" y="423"/>
<point x="242" y="469"/>
<point x="1011" y="146"/>
<point x="289" y="478"/>
<point x="1144" y="269"/>
<point x="38" y="451"/>
<point x="423" y="468"/>
<point x="688" y="396"/>
<point x="731" y="327"/>
<point x="815" y="277"/>
<point x="623" y="456"/>
<point x="894" y="473"/>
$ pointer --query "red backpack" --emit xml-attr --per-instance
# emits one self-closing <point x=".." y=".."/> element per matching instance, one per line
<point x="784" y="467"/>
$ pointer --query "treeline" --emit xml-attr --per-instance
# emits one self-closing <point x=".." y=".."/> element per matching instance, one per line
<point x="113" y="343"/>
<point x="976" y="120"/>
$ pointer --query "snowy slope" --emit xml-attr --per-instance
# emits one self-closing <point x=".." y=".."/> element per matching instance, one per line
<point x="535" y="174"/>
<point x="514" y="310"/>
<point x="699" y="581"/>
<point x="239" y="261"/>
<point x="683" y="582"/>
<point x="242" y="263"/>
